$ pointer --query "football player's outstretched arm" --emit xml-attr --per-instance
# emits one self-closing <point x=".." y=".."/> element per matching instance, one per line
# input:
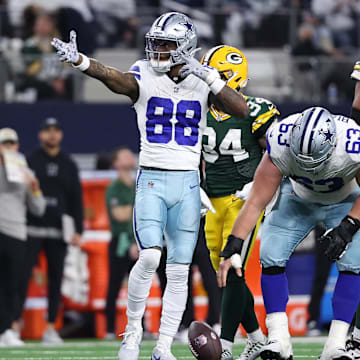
<point x="266" y="181"/>
<point x="115" y="80"/>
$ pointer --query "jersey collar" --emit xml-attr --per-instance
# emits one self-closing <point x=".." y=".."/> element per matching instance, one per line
<point x="217" y="114"/>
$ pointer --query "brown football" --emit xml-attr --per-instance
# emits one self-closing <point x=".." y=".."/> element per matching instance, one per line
<point x="204" y="343"/>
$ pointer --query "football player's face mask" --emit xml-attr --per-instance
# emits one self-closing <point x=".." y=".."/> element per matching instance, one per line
<point x="231" y="64"/>
<point x="313" y="139"/>
<point x="171" y="31"/>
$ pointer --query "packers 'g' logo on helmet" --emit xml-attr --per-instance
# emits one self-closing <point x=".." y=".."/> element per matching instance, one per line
<point x="230" y="62"/>
<point x="234" y="58"/>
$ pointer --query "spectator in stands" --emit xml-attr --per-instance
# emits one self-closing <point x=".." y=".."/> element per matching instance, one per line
<point x="306" y="47"/>
<point x="19" y="191"/>
<point x="59" y="180"/>
<point x="123" y="251"/>
<point x="6" y="29"/>
<point x="117" y="22"/>
<point x="43" y="72"/>
<point x="340" y="17"/>
<point x="69" y="12"/>
<point x="29" y="16"/>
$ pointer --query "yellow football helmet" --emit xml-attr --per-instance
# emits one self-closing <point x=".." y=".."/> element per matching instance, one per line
<point x="231" y="64"/>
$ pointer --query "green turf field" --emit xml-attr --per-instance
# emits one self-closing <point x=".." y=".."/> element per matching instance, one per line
<point x="304" y="348"/>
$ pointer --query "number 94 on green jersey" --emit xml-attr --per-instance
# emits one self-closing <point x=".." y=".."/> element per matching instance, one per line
<point x="231" y="148"/>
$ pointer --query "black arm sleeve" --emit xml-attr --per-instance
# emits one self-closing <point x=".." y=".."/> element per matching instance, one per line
<point x="355" y="115"/>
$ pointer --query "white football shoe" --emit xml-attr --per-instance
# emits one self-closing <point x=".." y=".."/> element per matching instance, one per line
<point x="335" y="354"/>
<point x="276" y="350"/>
<point x="130" y="347"/>
<point x="353" y="348"/>
<point x="162" y="353"/>
<point x="9" y="338"/>
<point x="252" y="349"/>
<point x="51" y="337"/>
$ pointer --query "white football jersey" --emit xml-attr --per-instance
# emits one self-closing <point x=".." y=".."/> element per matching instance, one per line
<point x="336" y="179"/>
<point x="171" y="118"/>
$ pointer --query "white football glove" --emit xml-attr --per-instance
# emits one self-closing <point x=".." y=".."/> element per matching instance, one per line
<point x="206" y="204"/>
<point x="244" y="193"/>
<point x="193" y="66"/>
<point x="67" y="52"/>
<point x="356" y="72"/>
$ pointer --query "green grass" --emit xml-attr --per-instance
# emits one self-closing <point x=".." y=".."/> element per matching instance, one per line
<point x="304" y="349"/>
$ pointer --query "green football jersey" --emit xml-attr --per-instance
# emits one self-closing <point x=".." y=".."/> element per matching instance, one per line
<point x="231" y="148"/>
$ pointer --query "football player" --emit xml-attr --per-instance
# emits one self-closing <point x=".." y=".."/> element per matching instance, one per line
<point x="170" y="91"/>
<point x="232" y="150"/>
<point x="319" y="153"/>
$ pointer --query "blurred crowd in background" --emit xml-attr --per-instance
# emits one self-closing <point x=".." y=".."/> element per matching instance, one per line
<point x="314" y="37"/>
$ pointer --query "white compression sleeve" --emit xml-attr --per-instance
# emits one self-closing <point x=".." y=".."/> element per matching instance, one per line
<point x="174" y="299"/>
<point x="140" y="280"/>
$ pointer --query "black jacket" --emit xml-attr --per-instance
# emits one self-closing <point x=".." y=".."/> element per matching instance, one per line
<point x="60" y="184"/>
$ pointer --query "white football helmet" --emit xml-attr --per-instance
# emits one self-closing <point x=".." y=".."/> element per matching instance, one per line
<point x="171" y="26"/>
<point x="313" y="138"/>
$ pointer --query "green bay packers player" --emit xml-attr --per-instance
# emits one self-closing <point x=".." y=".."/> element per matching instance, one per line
<point x="232" y="149"/>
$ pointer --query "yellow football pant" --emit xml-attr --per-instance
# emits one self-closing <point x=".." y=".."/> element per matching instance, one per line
<point x="218" y="227"/>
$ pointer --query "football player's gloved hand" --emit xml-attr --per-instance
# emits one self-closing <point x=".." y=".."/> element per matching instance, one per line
<point x="336" y="240"/>
<point x="206" y="204"/>
<point x="232" y="251"/>
<point x="206" y="73"/>
<point x="67" y="52"/>
<point x="356" y="72"/>
<point x="244" y="193"/>
<point x="232" y="258"/>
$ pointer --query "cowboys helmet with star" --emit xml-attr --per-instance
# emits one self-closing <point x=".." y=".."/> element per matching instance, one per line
<point x="313" y="138"/>
<point x="175" y="27"/>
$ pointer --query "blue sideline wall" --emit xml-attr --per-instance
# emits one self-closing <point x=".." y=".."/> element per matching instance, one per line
<point x="91" y="128"/>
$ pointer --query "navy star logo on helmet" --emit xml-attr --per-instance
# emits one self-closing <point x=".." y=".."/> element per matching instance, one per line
<point x="313" y="138"/>
<point x="328" y="135"/>
<point x="187" y="24"/>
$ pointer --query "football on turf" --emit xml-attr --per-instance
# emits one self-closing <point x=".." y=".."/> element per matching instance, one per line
<point x="204" y="343"/>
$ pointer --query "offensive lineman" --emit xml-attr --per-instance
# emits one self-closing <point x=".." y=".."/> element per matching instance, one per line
<point x="232" y="150"/>
<point x="171" y="100"/>
<point x="320" y="154"/>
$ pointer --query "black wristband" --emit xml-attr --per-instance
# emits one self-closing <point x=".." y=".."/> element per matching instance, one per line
<point x="233" y="246"/>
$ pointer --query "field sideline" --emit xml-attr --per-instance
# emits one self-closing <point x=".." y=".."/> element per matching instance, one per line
<point x="304" y="349"/>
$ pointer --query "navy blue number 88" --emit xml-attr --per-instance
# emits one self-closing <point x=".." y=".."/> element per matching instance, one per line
<point x="160" y="111"/>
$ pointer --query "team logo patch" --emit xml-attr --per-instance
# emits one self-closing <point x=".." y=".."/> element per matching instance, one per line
<point x="150" y="184"/>
<point x="200" y="341"/>
<point x="328" y="135"/>
<point x="234" y="58"/>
